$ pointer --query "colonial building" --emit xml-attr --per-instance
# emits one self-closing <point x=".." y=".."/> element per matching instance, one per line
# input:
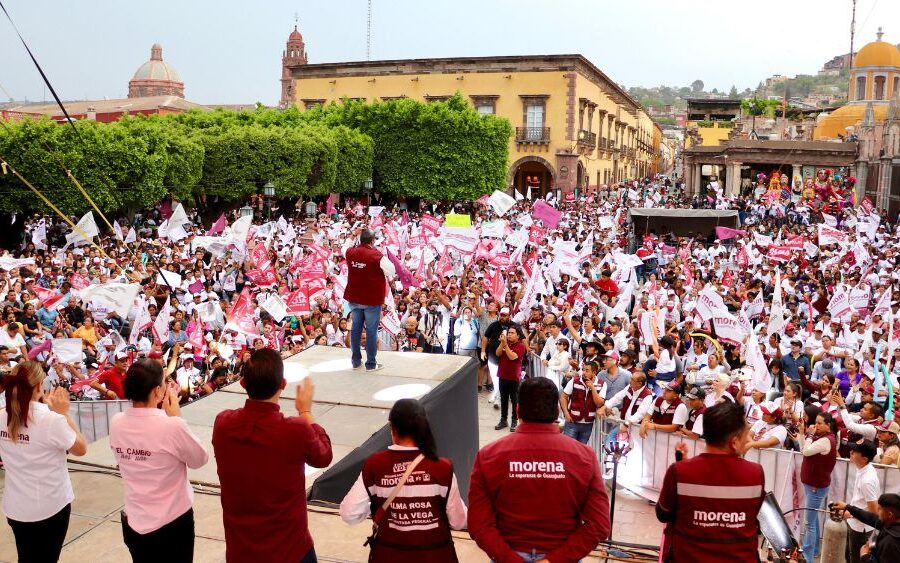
<point x="711" y="121"/>
<point x="294" y="55"/>
<point x="155" y="78"/>
<point x="575" y="128"/>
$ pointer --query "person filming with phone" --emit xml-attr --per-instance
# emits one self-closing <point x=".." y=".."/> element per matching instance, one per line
<point x="154" y="449"/>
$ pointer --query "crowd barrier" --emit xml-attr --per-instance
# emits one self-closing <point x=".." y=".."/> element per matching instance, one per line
<point x="642" y="470"/>
<point x="93" y="417"/>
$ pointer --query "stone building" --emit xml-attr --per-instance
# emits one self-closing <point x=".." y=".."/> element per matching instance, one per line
<point x="155" y="78"/>
<point x="294" y="55"/>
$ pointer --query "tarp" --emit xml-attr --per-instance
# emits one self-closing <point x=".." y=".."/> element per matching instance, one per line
<point x="452" y="410"/>
<point x="682" y="221"/>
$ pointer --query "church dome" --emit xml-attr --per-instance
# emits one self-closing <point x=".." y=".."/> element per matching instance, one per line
<point x="155" y="78"/>
<point x="295" y="35"/>
<point x="878" y="53"/>
<point x="837" y="122"/>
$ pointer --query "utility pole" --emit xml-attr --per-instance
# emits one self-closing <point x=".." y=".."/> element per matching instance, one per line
<point x="852" y="33"/>
<point x="369" y="31"/>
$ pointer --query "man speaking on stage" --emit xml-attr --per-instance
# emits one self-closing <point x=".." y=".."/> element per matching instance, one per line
<point x="368" y="272"/>
<point x="710" y="502"/>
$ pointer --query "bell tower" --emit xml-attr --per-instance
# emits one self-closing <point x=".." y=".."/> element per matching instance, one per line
<point x="294" y="55"/>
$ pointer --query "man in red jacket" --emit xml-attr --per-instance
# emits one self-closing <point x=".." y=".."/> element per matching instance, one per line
<point x="261" y="455"/>
<point x="536" y="495"/>
<point x="710" y="502"/>
<point x="367" y="275"/>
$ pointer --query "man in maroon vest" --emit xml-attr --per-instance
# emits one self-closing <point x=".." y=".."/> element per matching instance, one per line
<point x="368" y="272"/>
<point x="693" y="426"/>
<point x="710" y="503"/>
<point x="668" y="415"/>
<point x="579" y="400"/>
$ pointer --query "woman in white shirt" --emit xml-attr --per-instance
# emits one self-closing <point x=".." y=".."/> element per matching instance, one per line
<point x="154" y="449"/>
<point x="559" y="364"/>
<point x="37" y="495"/>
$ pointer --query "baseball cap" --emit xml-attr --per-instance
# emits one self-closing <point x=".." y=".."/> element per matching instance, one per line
<point x="827" y="367"/>
<point x="612" y="354"/>
<point x="790" y="326"/>
<point x="504" y="311"/>
<point x="672" y="386"/>
<point x="889" y="426"/>
<point x="121" y="355"/>
<point x="695" y="393"/>
<point x="187" y="357"/>
<point x="768" y="408"/>
<point x="865" y="448"/>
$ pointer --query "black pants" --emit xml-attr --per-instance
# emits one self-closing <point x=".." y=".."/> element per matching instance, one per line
<point x="41" y="542"/>
<point x="509" y="392"/>
<point x="432" y="348"/>
<point x="855" y="541"/>
<point x="173" y="543"/>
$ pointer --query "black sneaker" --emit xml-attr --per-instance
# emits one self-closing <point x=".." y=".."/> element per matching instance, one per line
<point x="378" y="367"/>
<point x="500" y="426"/>
<point x="512" y="427"/>
<point x="358" y="366"/>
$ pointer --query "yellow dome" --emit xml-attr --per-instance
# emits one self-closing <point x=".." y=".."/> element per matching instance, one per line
<point x="836" y="123"/>
<point x="877" y="53"/>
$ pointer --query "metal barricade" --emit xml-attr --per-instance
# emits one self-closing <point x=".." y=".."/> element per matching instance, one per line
<point x="93" y="417"/>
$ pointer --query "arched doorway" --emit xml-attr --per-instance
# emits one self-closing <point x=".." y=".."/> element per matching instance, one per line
<point x="532" y="172"/>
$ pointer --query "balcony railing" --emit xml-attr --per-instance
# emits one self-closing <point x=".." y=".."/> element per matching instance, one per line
<point x="587" y="138"/>
<point x="532" y="134"/>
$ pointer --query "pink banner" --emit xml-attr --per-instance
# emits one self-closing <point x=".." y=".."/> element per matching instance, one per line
<point x="725" y="233"/>
<point x="218" y="226"/>
<point x="546" y="213"/>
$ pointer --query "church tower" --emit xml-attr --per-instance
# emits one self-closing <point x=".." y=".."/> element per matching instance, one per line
<point x="293" y="55"/>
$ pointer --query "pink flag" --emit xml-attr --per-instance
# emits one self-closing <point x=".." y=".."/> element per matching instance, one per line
<point x="546" y="213"/>
<point x="406" y="277"/>
<point x="404" y="219"/>
<point x="51" y="300"/>
<point x="218" y="226"/>
<point x="241" y="314"/>
<point x="329" y="205"/>
<point x="725" y="233"/>
<point x="297" y="303"/>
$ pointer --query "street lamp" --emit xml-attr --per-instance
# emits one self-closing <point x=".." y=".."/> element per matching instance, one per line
<point x="246" y="211"/>
<point x="268" y="194"/>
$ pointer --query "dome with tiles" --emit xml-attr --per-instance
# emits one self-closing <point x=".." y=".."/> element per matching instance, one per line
<point x="155" y="78"/>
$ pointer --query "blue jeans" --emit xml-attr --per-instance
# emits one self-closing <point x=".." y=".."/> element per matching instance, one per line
<point x="581" y="431"/>
<point x="815" y="497"/>
<point x="371" y="315"/>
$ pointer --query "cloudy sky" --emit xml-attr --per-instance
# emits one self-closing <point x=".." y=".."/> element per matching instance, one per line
<point x="229" y="51"/>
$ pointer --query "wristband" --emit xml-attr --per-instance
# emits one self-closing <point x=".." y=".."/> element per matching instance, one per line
<point x="305" y="412"/>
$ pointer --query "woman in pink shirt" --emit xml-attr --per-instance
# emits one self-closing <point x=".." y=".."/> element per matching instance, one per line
<point x="154" y="448"/>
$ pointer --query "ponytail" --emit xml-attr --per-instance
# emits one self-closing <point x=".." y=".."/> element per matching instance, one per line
<point x="408" y="420"/>
<point x="18" y="387"/>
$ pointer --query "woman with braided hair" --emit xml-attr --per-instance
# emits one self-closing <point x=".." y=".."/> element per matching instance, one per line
<point x="37" y="495"/>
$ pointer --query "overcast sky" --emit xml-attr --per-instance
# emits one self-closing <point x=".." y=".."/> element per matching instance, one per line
<point x="229" y="51"/>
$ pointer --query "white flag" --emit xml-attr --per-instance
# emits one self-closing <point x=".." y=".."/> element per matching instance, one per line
<point x="118" y="297"/>
<point x="501" y="202"/>
<point x="239" y="231"/>
<point x="67" y="350"/>
<point x="141" y="321"/>
<point x="131" y="236"/>
<point x="161" y="325"/>
<point x="375" y="210"/>
<point x="830" y="220"/>
<point x="39" y="236"/>
<point x="85" y="230"/>
<point x="519" y="196"/>
<point x="167" y="278"/>
<point x="178" y="217"/>
<point x="776" y="314"/>
<point x="8" y="262"/>
<point x="275" y="306"/>
<point x="118" y="230"/>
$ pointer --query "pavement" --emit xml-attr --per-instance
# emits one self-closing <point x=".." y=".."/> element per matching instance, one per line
<point x="95" y="532"/>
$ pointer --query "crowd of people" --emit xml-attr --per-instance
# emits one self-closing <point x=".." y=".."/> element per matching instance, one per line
<point x="791" y="317"/>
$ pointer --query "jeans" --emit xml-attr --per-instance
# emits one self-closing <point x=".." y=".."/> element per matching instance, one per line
<point x="509" y="392"/>
<point x="173" y="542"/>
<point x="41" y="541"/>
<point x="371" y="315"/>
<point x="581" y="431"/>
<point x="815" y="497"/>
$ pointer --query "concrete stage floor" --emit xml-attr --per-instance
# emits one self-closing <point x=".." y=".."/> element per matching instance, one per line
<point x="351" y="405"/>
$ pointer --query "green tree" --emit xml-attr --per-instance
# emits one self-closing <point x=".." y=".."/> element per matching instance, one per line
<point x="733" y="93"/>
<point x="697" y="86"/>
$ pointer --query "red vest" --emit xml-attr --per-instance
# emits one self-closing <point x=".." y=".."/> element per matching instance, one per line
<point x="692" y="417"/>
<point x="815" y="470"/>
<point x="664" y="416"/>
<point x="416" y="527"/>
<point x="716" y="501"/>
<point x="629" y="397"/>
<point x="581" y="403"/>
<point x="365" y="279"/>
<point x="853" y="437"/>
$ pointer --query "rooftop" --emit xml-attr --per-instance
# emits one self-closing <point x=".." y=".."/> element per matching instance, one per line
<point x="81" y="107"/>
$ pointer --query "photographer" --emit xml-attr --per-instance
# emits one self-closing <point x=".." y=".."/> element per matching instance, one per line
<point x="885" y="545"/>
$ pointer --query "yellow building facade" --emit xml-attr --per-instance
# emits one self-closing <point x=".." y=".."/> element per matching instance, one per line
<point x="874" y="81"/>
<point x="575" y="129"/>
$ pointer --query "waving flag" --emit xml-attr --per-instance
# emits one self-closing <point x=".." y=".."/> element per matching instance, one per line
<point x="217" y="227"/>
<point x="84" y="231"/>
<point x="403" y="273"/>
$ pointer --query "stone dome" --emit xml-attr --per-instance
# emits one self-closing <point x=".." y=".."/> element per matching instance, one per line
<point x="155" y="78"/>
<point x="878" y="53"/>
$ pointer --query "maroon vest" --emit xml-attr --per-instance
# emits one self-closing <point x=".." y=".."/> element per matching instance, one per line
<point x="365" y="279"/>
<point x="664" y="416"/>
<point x="415" y="527"/>
<point x="692" y="417"/>
<point x="581" y="403"/>
<point x="717" y="500"/>
<point x="815" y="470"/>
<point x="853" y="437"/>
<point x="629" y="397"/>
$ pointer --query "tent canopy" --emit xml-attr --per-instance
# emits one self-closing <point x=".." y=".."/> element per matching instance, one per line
<point x="682" y="222"/>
